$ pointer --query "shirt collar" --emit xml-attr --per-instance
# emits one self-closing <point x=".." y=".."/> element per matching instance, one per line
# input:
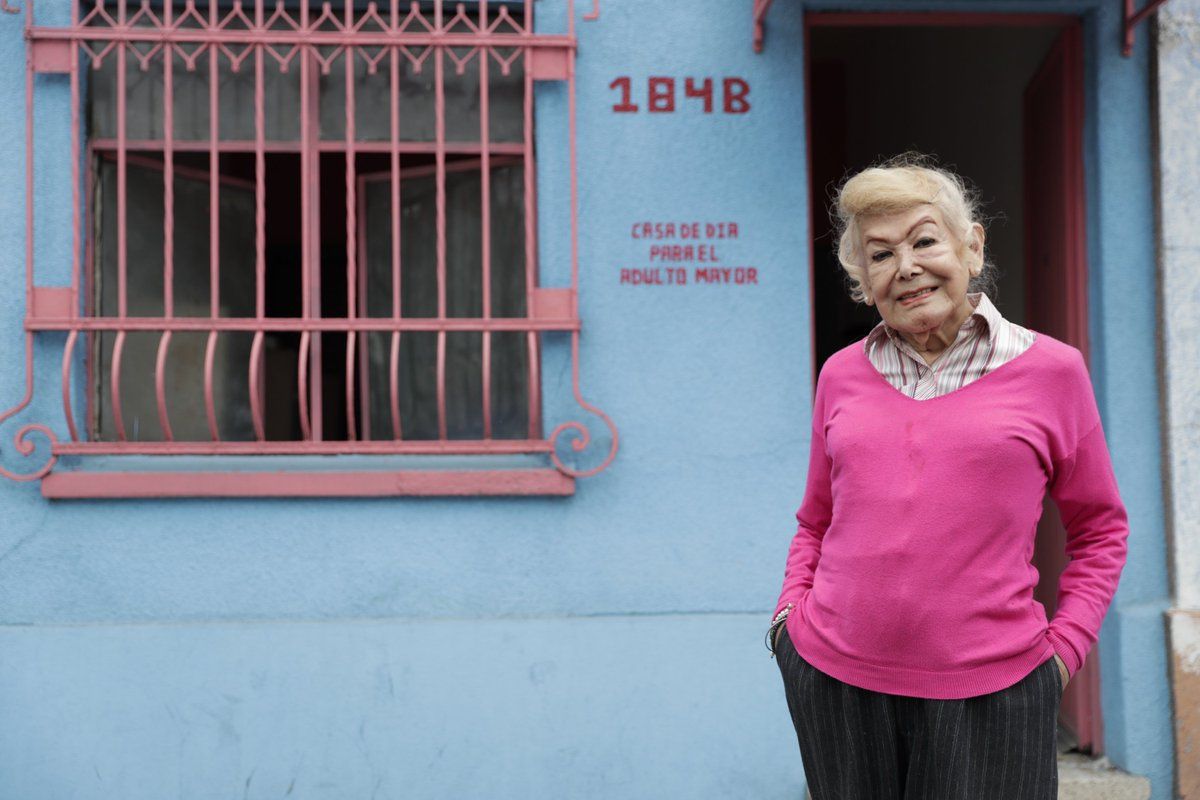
<point x="985" y="314"/>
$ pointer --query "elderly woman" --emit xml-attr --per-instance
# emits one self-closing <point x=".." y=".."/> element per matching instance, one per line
<point x="915" y="660"/>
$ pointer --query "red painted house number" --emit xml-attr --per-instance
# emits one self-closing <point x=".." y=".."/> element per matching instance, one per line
<point x="661" y="93"/>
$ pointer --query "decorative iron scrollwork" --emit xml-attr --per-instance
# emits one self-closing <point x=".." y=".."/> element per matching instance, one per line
<point x="21" y="441"/>
<point x="583" y="436"/>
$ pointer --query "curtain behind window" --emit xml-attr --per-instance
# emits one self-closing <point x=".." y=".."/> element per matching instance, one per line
<point x="464" y="298"/>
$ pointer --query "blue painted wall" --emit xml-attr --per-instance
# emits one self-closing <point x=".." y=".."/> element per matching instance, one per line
<point x="603" y="645"/>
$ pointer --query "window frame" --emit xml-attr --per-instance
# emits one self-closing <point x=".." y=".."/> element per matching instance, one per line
<point x="96" y="468"/>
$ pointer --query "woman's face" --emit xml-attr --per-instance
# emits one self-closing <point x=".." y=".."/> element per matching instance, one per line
<point x="915" y="274"/>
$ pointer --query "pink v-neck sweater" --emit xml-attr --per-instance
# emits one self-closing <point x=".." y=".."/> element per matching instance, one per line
<point x="910" y="569"/>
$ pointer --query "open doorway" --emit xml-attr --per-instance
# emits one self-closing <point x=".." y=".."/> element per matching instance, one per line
<point x="998" y="99"/>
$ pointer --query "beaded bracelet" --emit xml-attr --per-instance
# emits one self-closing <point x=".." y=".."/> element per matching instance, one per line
<point x="780" y="618"/>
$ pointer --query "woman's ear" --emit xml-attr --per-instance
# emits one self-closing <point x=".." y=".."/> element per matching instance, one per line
<point x="975" y="241"/>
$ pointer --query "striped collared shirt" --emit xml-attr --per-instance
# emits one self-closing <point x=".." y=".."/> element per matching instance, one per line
<point x="985" y="341"/>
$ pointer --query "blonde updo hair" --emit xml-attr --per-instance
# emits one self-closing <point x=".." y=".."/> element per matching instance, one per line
<point x="896" y="185"/>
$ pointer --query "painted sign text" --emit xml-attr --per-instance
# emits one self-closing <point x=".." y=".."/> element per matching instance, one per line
<point x="687" y="242"/>
<point x="663" y="95"/>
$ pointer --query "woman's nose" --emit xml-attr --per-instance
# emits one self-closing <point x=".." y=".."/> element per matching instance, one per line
<point x="908" y="264"/>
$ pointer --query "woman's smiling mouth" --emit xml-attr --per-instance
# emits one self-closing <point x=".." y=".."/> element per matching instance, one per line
<point x="909" y="299"/>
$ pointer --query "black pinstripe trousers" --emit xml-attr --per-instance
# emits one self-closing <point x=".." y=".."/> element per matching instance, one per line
<point x="857" y="744"/>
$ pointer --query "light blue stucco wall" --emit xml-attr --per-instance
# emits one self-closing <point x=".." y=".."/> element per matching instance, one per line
<point x="603" y="645"/>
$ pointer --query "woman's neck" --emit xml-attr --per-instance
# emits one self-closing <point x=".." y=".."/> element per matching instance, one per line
<point x="933" y="343"/>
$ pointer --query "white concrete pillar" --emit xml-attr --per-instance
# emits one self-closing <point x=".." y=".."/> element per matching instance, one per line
<point x="1179" y="164"/>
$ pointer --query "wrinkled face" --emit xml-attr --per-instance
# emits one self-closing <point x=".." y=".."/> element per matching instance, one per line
<point x="915" y="275"/>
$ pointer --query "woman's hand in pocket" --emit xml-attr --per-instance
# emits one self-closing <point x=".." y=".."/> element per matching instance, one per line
<point x="1062" y="670"/>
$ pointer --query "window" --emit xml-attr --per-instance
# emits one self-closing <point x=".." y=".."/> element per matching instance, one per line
<point x="307" y="231"/>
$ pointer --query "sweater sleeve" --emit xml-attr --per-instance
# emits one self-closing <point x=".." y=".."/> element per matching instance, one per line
<point x="814" y="514"/>
<point x="1085" y="490"/>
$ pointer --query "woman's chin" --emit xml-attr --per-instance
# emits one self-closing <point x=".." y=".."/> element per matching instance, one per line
<point x="925" y="318"/>
<point x="919" y="326"/>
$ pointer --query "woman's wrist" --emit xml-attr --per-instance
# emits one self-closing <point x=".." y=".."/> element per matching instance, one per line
<point x="776" y="624"/>
<point x="1063" y="672"/>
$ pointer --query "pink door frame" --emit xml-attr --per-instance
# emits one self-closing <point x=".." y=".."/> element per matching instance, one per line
<point x="1056" y="298"/>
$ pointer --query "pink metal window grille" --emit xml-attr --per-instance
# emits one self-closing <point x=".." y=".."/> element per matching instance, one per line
<point x="307" y="232"/>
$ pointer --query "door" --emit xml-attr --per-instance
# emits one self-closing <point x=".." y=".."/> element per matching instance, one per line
<point x="1056" y="299"/>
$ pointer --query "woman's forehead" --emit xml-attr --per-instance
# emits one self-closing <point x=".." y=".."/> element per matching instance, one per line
<point x="890" y="228"/>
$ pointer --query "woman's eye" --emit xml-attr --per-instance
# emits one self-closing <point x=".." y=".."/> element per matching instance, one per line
<point x="880" y="256"/>
<point x="925" y="242"/>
